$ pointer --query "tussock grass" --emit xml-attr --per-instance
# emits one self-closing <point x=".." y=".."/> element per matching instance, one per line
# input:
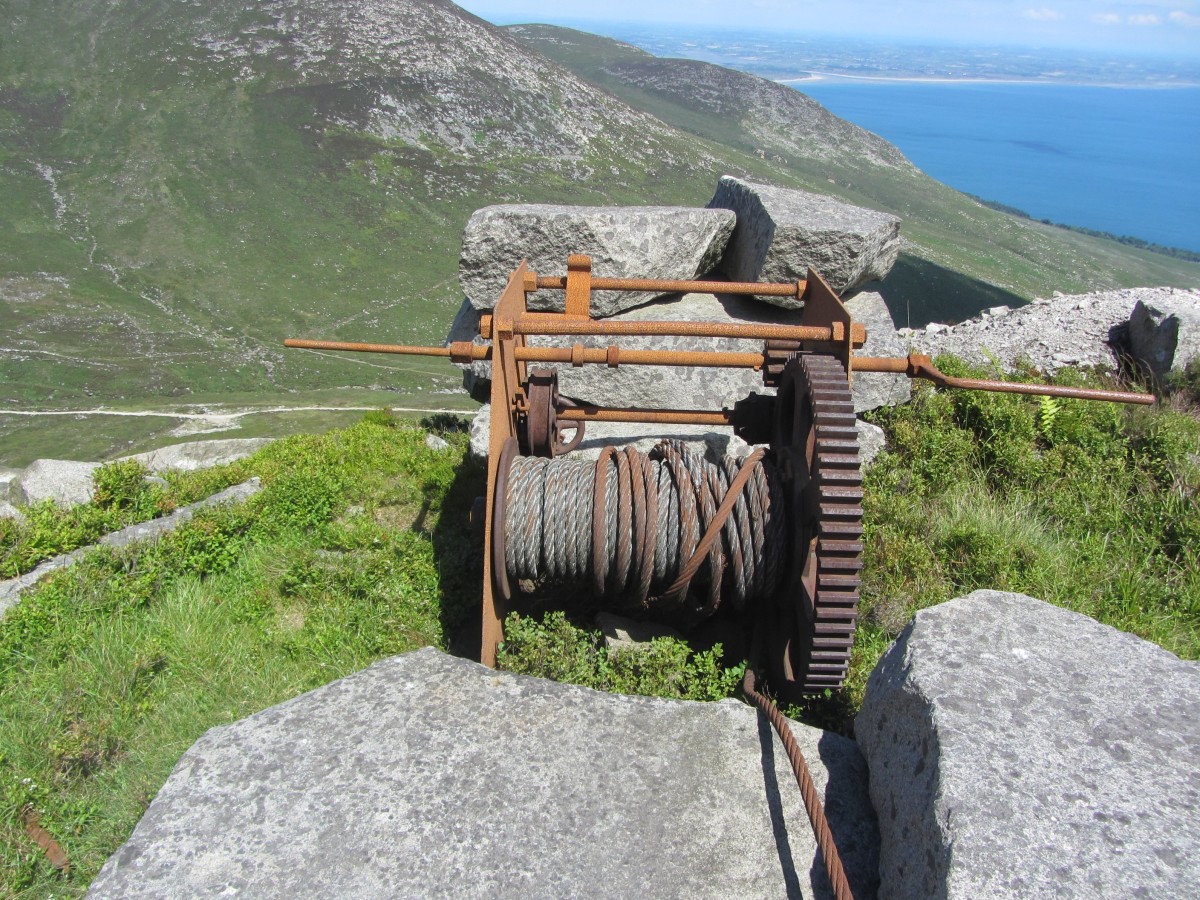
<point x="111" y="669"/>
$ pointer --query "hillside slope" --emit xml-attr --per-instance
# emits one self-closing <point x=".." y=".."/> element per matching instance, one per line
<point x="956" y="243"/>
<point x="189" y="184"/>
<point x="186" y="184"/>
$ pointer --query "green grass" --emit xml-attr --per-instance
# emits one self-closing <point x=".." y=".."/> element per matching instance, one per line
<point x="356" y="549"/>
<point x="84" y="436"/>
<point x="555" y="648"/>
<point x="122" y="496"/>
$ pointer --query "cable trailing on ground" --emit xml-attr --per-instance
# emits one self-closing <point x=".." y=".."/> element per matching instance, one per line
<point x="808" y="790"/>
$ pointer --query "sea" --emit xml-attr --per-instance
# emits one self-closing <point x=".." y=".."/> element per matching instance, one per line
<point x="1124" y="160"/>
<point x="1099" y="140"/>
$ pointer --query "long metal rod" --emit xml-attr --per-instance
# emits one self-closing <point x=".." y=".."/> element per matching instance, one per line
<point x="787" y="289"/>
<point x="763" y="332"/>
<point x="617" y="356"/>
<point x="914" y="365"/>
<point x="353" y="347"/>
<point x="917" y="365"/>
<point x="589" y="413"/>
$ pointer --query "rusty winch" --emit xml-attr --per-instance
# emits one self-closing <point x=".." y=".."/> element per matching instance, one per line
<point x="775" y="535"/>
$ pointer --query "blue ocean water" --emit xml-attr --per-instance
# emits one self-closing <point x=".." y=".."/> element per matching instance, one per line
<point x="1117" y="159"/>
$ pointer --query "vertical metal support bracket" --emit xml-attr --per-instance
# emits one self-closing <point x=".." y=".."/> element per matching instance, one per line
<point x="823" y="307"/>
<point x="508" y="394"/>
<point x="579" y="286"/>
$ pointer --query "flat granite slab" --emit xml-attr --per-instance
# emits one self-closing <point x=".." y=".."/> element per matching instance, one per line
<point x="428" y="775"/>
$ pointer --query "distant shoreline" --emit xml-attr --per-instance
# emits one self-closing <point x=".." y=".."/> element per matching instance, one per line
<point x="816" y="77"/>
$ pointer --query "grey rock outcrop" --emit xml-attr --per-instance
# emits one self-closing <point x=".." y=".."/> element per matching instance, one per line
<point x="481" y="431"/>
<point x="465" y="327"/>
<point x="781" y="233"/>
<point x="622" y="633"/>
<point x="871" y="441"/>
<point x="1068" y="330"/>
<point x="1164" y="331"/>
<point x="68" y="482"/>
<point x="64" y="481"/>
<point x="427" y="775"/>
<point x="192" y="455"/>
<point x="874" y="389"/>
<point x="8" y="511"/>
<point x="623" y="241"/>
<point x="8" y="477"/>
<point x="1020" y="750"/>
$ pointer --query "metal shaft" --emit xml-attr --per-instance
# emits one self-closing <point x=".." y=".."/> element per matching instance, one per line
<point x="403" y="350"/>
<point x="765" y="332"/>
<point x="663" y="286"/>
<point x="915" y="365"/>
<point x="590" y="413"/>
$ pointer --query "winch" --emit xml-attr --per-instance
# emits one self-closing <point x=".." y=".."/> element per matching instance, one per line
<point x="775" y="535"/>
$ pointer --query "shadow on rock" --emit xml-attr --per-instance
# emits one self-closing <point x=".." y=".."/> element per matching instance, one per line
<point x="918" y="292"/>
<point x="458" y="548"/>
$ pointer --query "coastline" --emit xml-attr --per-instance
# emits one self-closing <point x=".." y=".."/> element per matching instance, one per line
<point x="835" y="77"/>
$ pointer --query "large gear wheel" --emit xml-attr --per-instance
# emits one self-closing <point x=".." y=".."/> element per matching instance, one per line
<point x="815" y="443"/>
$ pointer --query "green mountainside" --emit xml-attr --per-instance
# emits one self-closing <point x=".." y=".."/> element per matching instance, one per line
<point x="185" y="184"/>
<point x="956" y="243"/>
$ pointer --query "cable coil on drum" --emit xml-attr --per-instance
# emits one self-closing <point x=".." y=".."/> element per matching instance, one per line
<point x="628" y="527"/>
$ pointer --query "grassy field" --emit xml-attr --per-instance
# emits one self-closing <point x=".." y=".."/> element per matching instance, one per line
<point x="358" y="548"/>
<point x="117" y="432"/>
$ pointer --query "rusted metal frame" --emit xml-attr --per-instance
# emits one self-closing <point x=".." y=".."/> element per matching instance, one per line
<point x="614" y="356"/>
<point x="508" y="379"/>
<point x="578" y="286"/>
<point x="823" y="308"/>
<point x="554" y="324"/>
<point x="666" y="286"/>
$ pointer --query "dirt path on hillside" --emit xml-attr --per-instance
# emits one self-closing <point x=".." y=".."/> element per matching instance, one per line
<point x="209" y="420"/>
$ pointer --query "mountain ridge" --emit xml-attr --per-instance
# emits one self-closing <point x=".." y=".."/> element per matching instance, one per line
<point x="188" y="183"/>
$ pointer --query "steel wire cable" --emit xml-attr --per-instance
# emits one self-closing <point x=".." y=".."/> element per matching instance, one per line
<point x="808" y="790"/>
<point x="650" y="512"/>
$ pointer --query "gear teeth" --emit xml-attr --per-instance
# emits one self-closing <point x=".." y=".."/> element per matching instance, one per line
<point x="838" y="485"/>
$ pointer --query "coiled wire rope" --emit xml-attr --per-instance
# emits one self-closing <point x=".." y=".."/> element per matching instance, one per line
<point x="640" y="528"/>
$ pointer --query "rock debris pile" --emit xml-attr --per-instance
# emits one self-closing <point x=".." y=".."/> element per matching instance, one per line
<point x="1157" y="327"/>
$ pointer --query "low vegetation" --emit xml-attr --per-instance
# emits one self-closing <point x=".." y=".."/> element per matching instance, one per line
<point x="357" y="548"/>
<point x="556" y="648"/>
<point x="1091" y="506"/>
<point x="123" y="496"/>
